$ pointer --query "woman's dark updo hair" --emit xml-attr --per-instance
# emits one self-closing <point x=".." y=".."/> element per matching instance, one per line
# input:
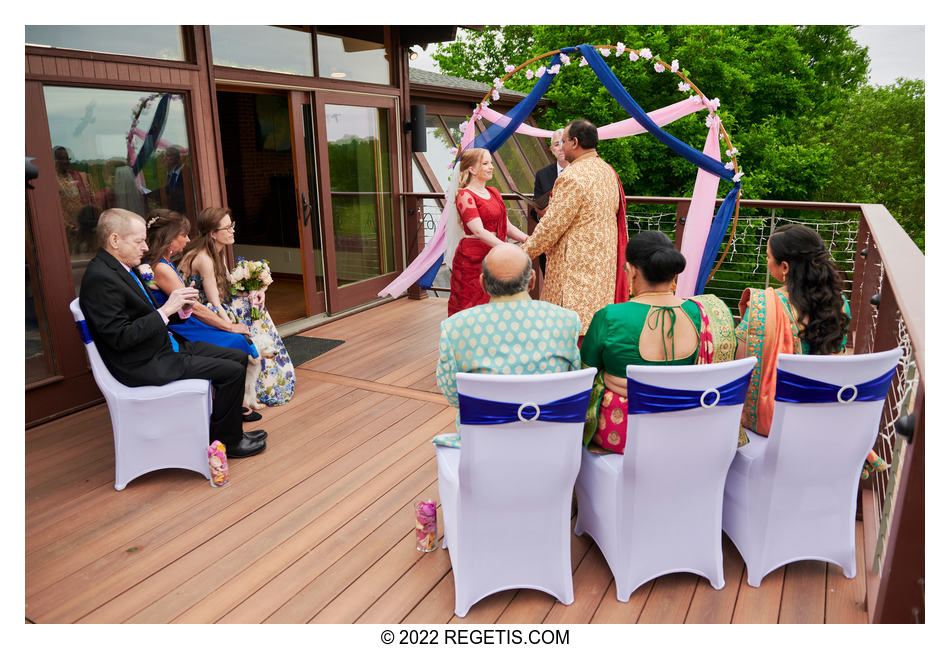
<point x="814" y="287"/>
<point x="654" y="255"/>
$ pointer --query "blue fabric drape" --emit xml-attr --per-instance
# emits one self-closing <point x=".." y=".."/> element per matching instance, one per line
<point x="426" y="280"/>
<point x="473" y="410"/>
<point x="495" y="135"/>
<point x="153" y="136"/>
<point x="792" y="388"/>
<point x="717" y="232"/>
<point x="613" y="85"/>
<point x="718" y="227"/>
<point x="646" y="399"/>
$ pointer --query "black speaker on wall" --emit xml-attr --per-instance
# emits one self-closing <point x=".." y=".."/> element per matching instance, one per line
<point x="417" y="114"/>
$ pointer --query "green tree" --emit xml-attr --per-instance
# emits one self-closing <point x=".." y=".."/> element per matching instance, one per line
<point x="771" y="79"/>
<point x="877" y="137"/>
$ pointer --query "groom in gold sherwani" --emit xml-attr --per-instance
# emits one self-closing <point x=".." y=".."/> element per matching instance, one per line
<point x="579" y="232"/>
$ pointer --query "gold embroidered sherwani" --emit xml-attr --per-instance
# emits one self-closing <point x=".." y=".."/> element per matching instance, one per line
<point x="578" y="233"/>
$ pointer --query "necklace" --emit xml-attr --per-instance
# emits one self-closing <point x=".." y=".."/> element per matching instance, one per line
<point x="649" y="293"/>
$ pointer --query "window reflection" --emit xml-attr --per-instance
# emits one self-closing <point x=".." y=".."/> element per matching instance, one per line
<point x="535" y="149"/>
<point x="361" y="191"/>
<point x="116" y="148"/>
<point x="39" y="355"/>
<point x="517" y="167"/>
<point x="153" y="41"/>
<point x="263" y="47"/>
<point x="355" y="53"/>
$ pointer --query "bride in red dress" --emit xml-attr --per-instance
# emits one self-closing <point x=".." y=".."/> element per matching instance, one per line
<point x="484" y="224"/>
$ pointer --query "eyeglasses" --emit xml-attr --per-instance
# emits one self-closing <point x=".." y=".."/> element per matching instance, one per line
<point x="230" y="227"/>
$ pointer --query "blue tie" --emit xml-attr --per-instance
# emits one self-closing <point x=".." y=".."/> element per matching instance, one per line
<point x="139" y="282"/>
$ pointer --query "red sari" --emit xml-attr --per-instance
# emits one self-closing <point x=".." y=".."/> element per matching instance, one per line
<point x="467" y="264"/>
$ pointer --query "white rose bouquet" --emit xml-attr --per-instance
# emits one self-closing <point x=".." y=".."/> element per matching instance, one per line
<point x="252" y="277"/>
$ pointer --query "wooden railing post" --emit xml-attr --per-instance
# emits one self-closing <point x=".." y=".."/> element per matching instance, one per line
<point x="415" y="239"/>
<point x="682" y="209"/>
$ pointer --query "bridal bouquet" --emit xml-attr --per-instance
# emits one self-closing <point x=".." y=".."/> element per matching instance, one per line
<point x="252" y="277"/>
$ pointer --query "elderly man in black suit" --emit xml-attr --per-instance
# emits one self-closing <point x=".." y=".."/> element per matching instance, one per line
<point x="544" y="180"/>
<point x="137" y="346"/>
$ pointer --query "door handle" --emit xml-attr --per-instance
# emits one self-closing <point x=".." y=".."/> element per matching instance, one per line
<point x="306" y="209"/>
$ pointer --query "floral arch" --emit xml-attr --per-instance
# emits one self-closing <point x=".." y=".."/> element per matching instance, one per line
<point x="704" y="231"/>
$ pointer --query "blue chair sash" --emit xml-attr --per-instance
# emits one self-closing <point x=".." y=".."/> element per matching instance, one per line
<point x="647" y="399"/>
<point x="83" y="331"/>
<point x="482" y="412"/>
<point x="792" y="388"/>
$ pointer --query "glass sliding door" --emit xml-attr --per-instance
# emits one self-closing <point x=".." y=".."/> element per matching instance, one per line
<point x="358" y="192"/>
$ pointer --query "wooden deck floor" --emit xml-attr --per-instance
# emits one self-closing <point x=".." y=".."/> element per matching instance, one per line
<point x="319" y="528"/>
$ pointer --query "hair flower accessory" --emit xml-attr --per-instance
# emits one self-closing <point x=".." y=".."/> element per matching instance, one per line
<point x="659" y="67"/>
<point x="645" y="53"/>
<point x="147" y="275"/>
<point x="620" y="48"/>
<point x="675" y="65"/>
<point x="151" y="222"/>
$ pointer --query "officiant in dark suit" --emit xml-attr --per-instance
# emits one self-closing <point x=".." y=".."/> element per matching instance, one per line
<point x="544" y="183"/>
<point x="132" y="336"/>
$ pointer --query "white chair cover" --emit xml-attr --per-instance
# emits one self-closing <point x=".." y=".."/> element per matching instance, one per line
<point x="792" y="495"/>
<point x="657" y="509"/>
<point x="506" y="494"/>
<point x="154" y="427"/>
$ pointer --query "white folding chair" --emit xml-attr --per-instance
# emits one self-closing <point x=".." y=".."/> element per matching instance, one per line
<point x="657" y="509"/>
<point x="506" y="493"/>
<point x="153" y="427"/>
<point x="792" y="495"/>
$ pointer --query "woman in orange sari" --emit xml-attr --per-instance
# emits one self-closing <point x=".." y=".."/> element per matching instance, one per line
<point x="807" y="314"/>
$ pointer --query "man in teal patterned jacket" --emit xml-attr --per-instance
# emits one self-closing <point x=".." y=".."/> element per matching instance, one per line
<point x="512" y="334"/>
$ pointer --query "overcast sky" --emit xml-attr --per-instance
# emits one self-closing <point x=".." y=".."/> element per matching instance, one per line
<point x="895" y="50"/>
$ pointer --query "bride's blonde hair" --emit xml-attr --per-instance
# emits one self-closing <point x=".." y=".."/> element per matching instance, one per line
<point x="470" y="158"/>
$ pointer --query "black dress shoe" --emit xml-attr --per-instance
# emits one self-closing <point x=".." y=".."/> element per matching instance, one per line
<point x="249" y="415"/>
<point x="246" y="448"/>
<point x="255" y="435"/>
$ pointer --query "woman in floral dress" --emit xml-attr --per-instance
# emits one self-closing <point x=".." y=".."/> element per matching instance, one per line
<point x="203" y="263"/>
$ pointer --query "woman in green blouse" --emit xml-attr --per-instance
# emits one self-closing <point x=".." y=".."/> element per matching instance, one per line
<point x="654" y="328"/>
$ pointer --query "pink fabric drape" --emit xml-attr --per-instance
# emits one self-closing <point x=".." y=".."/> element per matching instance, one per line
<point x="699" y="217"/>
<point x="661" y="116"/>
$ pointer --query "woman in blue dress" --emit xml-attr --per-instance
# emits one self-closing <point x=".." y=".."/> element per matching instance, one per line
<point x="202" y="264"/>
<point x="167" y="235"/>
